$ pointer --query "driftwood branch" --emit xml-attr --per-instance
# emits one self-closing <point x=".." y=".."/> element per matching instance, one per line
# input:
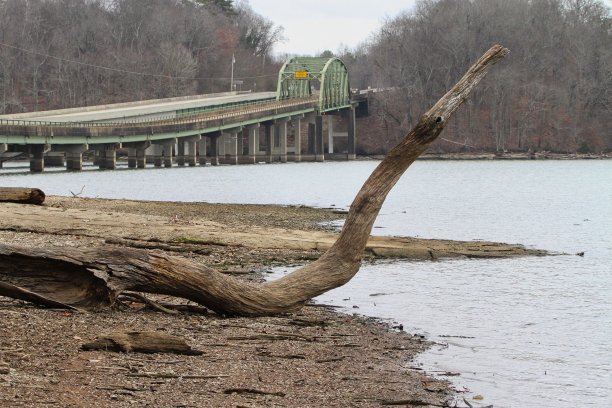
<point x="141" y="342"/>
<point x="92" y="278"/>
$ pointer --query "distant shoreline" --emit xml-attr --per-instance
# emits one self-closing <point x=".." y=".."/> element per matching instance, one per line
<point x="504" y="156"/>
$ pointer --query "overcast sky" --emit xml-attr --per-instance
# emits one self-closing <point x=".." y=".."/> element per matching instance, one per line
<point x="313" y="26"/>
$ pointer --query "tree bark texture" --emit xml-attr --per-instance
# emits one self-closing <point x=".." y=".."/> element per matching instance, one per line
<point x="21" y="195"/>
<point x="93" y="278"/>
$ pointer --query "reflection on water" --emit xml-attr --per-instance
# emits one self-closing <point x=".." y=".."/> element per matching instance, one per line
<point x="529" y="332"/>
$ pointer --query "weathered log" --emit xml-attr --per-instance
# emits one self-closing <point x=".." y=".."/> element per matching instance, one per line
<point x="91" y="278"/>
<point x="22" y="195"/>
<point x="141" y="342"/>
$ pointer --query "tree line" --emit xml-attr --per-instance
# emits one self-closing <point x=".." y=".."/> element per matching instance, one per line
<point x="553" y="91"/>
<point x="66" y="53"/>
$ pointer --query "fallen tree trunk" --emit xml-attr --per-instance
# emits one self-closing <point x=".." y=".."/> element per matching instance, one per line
<point x="93" y="278"/>
<point x="21" y="195"/>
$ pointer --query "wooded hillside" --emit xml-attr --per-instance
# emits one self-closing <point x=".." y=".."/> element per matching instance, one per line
<point x="66" y="53"/>
<point x="553" y="93"/>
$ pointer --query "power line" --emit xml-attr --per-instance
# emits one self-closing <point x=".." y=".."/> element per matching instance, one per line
<point x="125" y="71"/>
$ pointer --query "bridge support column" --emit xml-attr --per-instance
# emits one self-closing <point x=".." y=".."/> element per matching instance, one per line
<point x="190" y="154"/>
<point x="330" y="134"/>
<point x="319" y="147"/>
<point x="74" y="156"/>
<point x="180" y="153"/>
<point x="352" y="131"/>
<point x="240" y="144"/>
<point x="214" y="149"/>
<point x="229" y="146"/>
<point x="269" y="130"/>
<point x="3" y="149"/>
<point x="54" y="159"/>
<point x="253" y="132"/>
<point x="312" y="132"/>
<point x="168" y="154"/>
<point x="108" y="156"/>
<point x="154" y="155"/>
<point x="202" y="149"/>
<point x="281" y="127"/>
<point x="221" y="144"/>
<point x="37" y="161"/>
<point x="297" y="139"/>
<point x="137" y="154"/>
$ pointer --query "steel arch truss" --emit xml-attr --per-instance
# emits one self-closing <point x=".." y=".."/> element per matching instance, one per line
<point x="299" y="75"/>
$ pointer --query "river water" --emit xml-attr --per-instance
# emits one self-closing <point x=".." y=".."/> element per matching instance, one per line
<point x="526" y="332"/>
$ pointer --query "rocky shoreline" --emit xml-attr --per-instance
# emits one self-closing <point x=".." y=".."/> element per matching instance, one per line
<point x="544" y="155"/>
<point x="312" y="358"/>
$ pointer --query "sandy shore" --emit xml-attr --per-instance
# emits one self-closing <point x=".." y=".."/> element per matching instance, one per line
<point x="314" y="358"/>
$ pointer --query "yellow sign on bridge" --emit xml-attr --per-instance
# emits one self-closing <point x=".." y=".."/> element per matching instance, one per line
<point x="301" y="74"/>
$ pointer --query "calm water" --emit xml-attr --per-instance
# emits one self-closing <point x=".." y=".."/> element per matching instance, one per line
<point x="530" y="332"/>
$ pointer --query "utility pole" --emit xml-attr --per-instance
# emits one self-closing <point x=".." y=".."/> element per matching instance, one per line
<point x="232" y="77"/>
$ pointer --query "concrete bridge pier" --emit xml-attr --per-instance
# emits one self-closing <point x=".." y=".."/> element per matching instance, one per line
<point x="315" y="138"/>
<point x="37" y="159"/>
<point x="214" y="148"/>
<point x="319" y="150"/>
<point x="281" y="128"/>
<point x="221" y="143"/>
<point x="235" y="145"/>
<point x="137" y="154"/>
<point x="190" y="152"/>
<point x="269" y="140"/>
<point x="297" y="137"/>
<point x="202" y="150"/>
<point x="352" y="130"/>
<point x="154" y="155"/>
<point x="230" y="148"/>
<point x="107" y="159"/>
<point x="74" y="156"/>
<point x="168" y="153"/>
<point x="180" y="153"/>
<point x="253" y="144"/>
<point x="3" y="148"/>
<point x="240" y="143"/>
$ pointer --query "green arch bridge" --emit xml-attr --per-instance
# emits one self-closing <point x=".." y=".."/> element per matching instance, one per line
<point x="226" y="128"/>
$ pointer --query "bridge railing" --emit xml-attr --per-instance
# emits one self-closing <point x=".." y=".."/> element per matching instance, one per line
<point x="160" y="125"/>
<point x="211" y="114"/>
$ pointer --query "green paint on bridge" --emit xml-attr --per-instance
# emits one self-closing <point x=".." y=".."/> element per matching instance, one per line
<point x="305" y="86"/>
<point x="300" y="77"/>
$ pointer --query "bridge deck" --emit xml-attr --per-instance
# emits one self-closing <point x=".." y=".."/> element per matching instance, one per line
<point x="155" y="109"/>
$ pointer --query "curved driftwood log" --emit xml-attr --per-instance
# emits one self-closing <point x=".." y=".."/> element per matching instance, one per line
<point x="93" y="278"/>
